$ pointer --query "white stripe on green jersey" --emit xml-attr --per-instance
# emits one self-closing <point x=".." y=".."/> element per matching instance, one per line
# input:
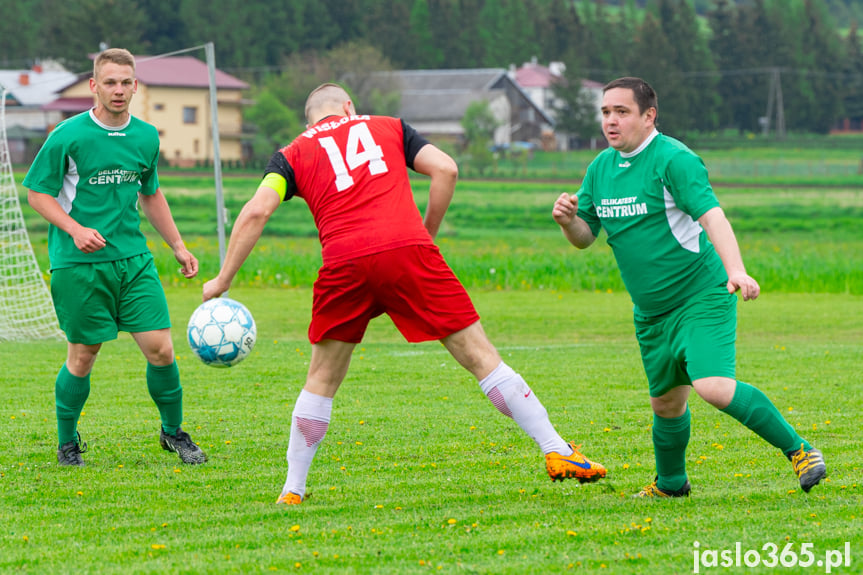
<point x="96" y="172"/>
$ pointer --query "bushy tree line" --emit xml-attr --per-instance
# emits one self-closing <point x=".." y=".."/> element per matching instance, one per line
<point x="712" y="61"/>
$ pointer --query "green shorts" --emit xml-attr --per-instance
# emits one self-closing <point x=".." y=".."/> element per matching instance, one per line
<point x="691" y="342"/>
<point x="95" y="301"/>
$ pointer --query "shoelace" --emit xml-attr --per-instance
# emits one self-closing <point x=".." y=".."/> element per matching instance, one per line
<point x="79" y="446"/>
<point x="653" y="490"/>
<point x="804" y="460"/>
<point x="184" y="439"/>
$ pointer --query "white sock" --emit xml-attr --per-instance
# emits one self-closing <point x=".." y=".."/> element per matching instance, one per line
<point x="511" y="395"/>
<point x="309" y="423"/>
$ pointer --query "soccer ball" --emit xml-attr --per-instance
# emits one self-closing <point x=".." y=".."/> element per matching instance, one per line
<point x="221" y="332"/>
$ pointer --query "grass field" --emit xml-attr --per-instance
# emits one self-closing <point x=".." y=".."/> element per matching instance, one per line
<point x="419" y="473"/>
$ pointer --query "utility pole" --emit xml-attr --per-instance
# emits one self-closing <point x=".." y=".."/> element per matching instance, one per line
<point x="774" y="100"/>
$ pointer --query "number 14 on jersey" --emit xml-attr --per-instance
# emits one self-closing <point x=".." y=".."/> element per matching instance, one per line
<point x="361" y="149"/>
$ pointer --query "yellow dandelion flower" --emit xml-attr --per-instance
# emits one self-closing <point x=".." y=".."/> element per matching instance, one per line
<point x="295" y="528"/>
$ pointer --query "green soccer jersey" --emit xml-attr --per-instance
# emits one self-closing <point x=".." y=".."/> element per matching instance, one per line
<point x="648" y="202"/>
<point x="96" y="172"/>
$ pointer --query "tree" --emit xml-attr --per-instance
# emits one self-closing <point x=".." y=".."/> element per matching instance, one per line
<point x="558" y="30"/>
<point x="385" y="23"/>
<point x="741" y="46"/>
<point x="853" y="71"/>
<point x="360" y="67"/>
<point x="824" y="57"/>
<point x="20" y="39"/>
<point x="479" y="125"/>
<point x="724" y="45"/>
<point x="506" y="32"/>
<point x="424" y="51"/>
<point x="693" y="98"/>
<point x="276" y="124"/>
<point x="650" y="60"/>
<point x="467" y="34"/>
<point x="72" y="31"/>
<point x="367" y="75"/>
<point x="164" y="28"/>
<point x="575" y="106"/>
<point x="446" y="31"/>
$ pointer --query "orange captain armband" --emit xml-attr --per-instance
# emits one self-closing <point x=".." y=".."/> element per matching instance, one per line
<point x="276" y="182"/>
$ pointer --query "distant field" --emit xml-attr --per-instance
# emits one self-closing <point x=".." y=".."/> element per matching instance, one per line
<point x="499" y="234"/>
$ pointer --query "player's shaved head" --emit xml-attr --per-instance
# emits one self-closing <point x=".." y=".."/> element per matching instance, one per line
<point x="325" y="100"/>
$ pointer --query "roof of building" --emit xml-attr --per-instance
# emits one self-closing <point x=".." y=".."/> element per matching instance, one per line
<point x="70" y="104"/>
<point x="443" y="94"/>
<point x="182" y="72"/>
<point x="533" y="75"/>
<point x="435" y="95"/>
<point x="35" y="87"/>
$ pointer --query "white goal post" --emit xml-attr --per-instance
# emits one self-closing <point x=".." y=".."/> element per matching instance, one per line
<point x="26" y="310"/>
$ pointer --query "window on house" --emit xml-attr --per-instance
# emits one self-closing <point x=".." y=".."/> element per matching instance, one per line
<point x="190" y="115"/>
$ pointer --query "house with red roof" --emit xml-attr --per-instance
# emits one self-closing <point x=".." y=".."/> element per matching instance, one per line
<point x="173" y="95"/>
<point x="25" y="116"/>
<point x="537" y="81"/>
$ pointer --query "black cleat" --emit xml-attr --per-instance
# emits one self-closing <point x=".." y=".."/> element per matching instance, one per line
<point x="809" y="467"/>
<point x="182" y="445"/>
<point x="70" y="452"/>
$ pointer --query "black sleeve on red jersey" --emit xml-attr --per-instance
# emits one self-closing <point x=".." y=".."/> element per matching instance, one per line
<point x="413" y="143"/>
<point x="279" y="165"/>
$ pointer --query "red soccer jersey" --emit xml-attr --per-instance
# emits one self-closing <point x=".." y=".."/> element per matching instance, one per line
<point x="352" y="173"/>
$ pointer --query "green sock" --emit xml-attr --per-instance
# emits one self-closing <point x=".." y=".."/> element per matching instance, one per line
<point x="670" y="438"/>
<point x="163" y="383"/>
<point x="753" y="409"/>
<point x="70" y="395"/>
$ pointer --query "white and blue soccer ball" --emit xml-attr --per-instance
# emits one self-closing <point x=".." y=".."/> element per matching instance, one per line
<point x="221" y="332"/>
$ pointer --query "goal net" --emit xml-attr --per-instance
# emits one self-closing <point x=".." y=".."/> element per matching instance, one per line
<point x="26" y="311"/>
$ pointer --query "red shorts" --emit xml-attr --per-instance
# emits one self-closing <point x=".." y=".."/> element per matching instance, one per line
<point x="412" y="284"/>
